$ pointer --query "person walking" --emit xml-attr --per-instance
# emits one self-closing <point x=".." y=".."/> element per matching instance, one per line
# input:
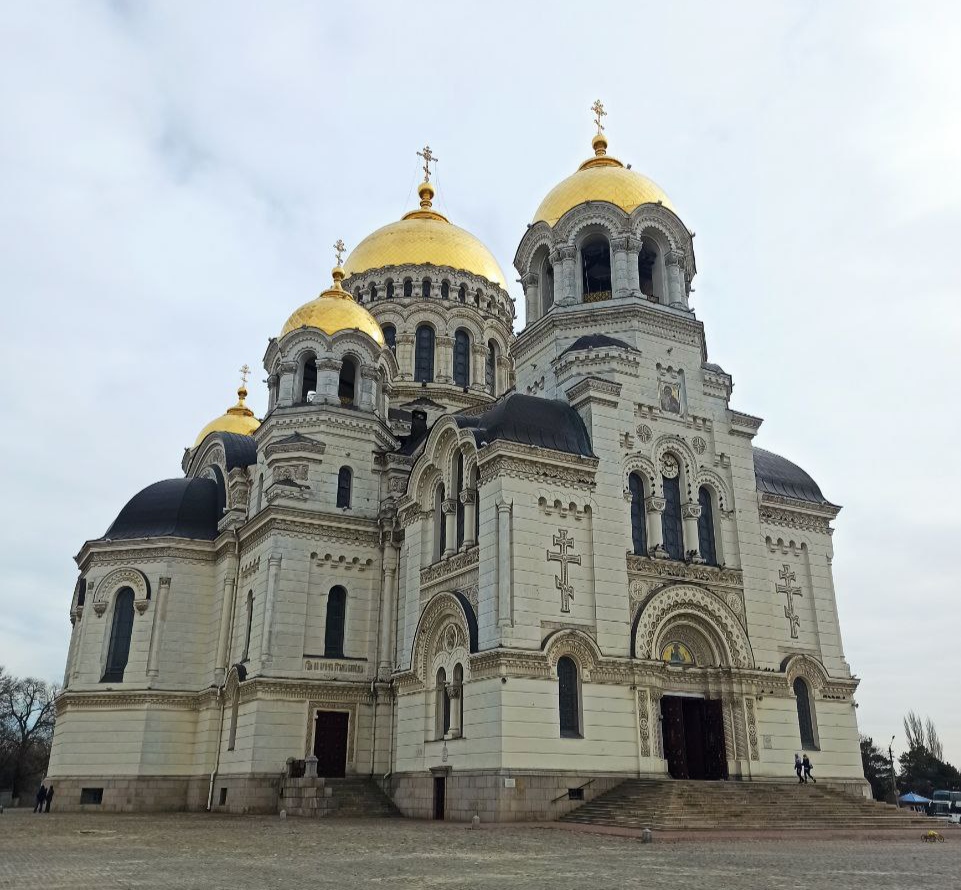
<point x="49" y="798"/>
<point x="797" y="768"/>
<point x="40" y="798"/>
<point x="805" y="763"/>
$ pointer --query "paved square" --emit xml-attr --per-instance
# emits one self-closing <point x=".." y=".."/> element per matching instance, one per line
<point x="70" y="852"/>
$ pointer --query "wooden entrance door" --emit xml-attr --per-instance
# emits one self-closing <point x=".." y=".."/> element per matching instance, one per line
<point x="672" y="717"/>
<point x="330" y="743"/>
<point x="715" y="753"/>
<point x="693" y="738"/>
<point x="440" y="796"/>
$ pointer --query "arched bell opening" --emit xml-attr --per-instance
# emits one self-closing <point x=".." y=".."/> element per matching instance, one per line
<point x="596" y="268"/>
<point x="347" y="381"/>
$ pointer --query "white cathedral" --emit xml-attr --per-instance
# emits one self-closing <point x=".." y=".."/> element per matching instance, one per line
<point x="492" y="573"/>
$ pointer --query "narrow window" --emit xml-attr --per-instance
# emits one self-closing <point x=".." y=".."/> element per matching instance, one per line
<point x="248" y="624"/>
<point x="671" y="518"/>
<point x="477" y="298"/>
<point x="647" y="270"/>
<point x="408" y="288"/>
<point x="457" y="712"/>
<point x="390" y="289"/>
<point x="462" y="294"/>
<point x="462" y="358"/>
<point x="346" y="383"/>
<point x="373" y="292"/>
<point x="260" y="494"/>
<point x="309" y="386"/>
<point x="459" y="487"/>
<point x="638" y="516"/>
<point x="805" y="723"/>
<point x="234" y="712"/>
<point x="425" y="288"/>
<point x="490" y="368"/>
<point x="547" y="287"/>
<point x="705" y="527"/>
<point x="445" y="291"/>
<point x="596" y="268"/>
<point x="390" y="337"/>
<point x="440" y="526"/>
<point x="424" y="354"/>
<point x="343" y="486"/>
<point x="357" y="295"/>
<point x="120" y="632"/>
<point x="334" y="627"/>
<point x="568" y="698"/>
<point x="442" y="705"/>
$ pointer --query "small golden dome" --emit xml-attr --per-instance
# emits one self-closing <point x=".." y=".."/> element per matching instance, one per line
<point x="425" y="237"/>
<point x="601" y="178"/>
<point x="335" y="310"/>
<point x="238" y="419"/>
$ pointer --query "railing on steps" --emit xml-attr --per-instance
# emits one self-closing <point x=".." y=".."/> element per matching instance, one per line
<point x="567" y="793"/>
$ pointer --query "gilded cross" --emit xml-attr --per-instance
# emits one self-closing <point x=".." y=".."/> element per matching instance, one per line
<point x="790" y="591"/>
<point x="429" y="158"/>
<point x="339" y="248"/>
<point x="563" y="544"/>
<point x="599" y="112"/>
<point x="244" y="374"/>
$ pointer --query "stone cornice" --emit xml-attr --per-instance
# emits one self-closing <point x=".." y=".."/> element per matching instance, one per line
<point x="311" y="525"/>
<point x="140" y="550"/>
<point x="744" y="424"/>
<point x="535" y="464"/>
<point x="594" y="389"/>
<point x="800" y="515"/>
<point x="669" y="569"/>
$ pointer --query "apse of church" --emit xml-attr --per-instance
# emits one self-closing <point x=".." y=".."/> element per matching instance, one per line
<point x="491" y="573"/>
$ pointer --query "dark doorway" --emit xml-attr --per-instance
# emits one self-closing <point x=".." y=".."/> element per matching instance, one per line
<point x="694" y="738"/>
<point x="440" y="794"/>
<point x="330" y="743"/>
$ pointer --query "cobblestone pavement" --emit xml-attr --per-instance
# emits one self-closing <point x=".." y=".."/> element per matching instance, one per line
<point x="70" y="852"/>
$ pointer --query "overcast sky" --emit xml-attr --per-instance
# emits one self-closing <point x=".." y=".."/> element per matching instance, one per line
<point x="172" y="175"/>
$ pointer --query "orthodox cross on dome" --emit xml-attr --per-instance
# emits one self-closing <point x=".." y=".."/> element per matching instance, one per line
<point x="790" y="591"/>
<point x="244" y="374"/>
<point x="429" y="158"/>
<point x="339" y="248"/>
<point x="599" y="112"/>
<point x="563" y="544"/>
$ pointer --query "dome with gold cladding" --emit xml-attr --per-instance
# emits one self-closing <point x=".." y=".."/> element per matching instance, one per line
<point x="425" y="237"/>
<point x="601" y="178"/>
<point x="333" y="311"/>
<point x="238" y="419"/>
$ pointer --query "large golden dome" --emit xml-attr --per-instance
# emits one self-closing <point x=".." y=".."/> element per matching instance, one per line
<point x="601" y="178"/>
<point x="334" y="310"/>
<point x="239" y="419"/>
<point x="425" y="237"/>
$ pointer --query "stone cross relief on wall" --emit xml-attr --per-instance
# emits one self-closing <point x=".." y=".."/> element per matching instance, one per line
<point x="562" y="582"/>
<point x="790" y="591"/>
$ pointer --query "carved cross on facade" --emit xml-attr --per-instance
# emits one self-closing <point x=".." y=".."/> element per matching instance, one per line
<point x="563" y="544"/>
<point x="429" y="158"/>
<point x="599" y="112"/>
<point x="339" y="248"/>
<point x="790" y="591"/>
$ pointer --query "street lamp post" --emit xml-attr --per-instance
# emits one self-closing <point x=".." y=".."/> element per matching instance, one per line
<point x="894" y="787"/>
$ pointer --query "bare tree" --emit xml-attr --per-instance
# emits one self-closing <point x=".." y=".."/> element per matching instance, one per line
<point x="914" y="730"/>
<point x="26" y="727"/>
<point x="933" y="742"/>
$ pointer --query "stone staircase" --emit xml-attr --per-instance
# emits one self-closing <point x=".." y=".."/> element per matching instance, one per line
<point x="354" y="797"/>
<point x="669" y="804"/>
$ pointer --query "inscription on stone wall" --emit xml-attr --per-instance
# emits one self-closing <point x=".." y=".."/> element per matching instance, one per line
<point x="327" y="666"/>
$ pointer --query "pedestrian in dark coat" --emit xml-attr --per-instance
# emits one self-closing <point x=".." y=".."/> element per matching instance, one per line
<point x="49" y="798"/>
<point x="798" y="767"/>
<point x="40" y="798"/>
<point x="805" y="763"/>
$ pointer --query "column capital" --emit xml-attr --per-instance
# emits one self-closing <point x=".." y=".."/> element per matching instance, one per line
<point x="448" y="506"/>
<point x="530" y="279"/>
<point x="468" y="496"/>
<point x="655" y="504"/>
<point x="691" y="511"/>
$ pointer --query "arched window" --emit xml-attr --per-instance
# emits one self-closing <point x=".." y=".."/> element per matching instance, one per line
<point x="473" y="485"/>
<point x="344" y="479"/>
<point x="425" y="288"/>
<point x="440" y="526"/>
<point x="390" y="337"/>
<point x="547" y="287"/>
<point x="373" y="292"/>
<point x="408" y="288"/>
<point x="490" y="368"/>
<point x="671" y="524"/>
<point x="309" y="385"/>
<point x="649" y="271"/>
<point x="568" y="699"/>
<point x="457" y="705"/>
<point x="458" y="488"/>
<point x="445" y="290"/>
<point x="120" y="632"/>
<point x="390" y="288"/>
<point x="638" y="515"/>
<point x="462" y="358"/>
<point x="346" y="383"/>
<point x="424" y="354"/>
<point x="804" y="719"/>
<point x="478" y="297"/>
<point x="259" y="503"/>
<point x="234" y="713"/>
<point x="248" y="624"/>
<point x="462" y="294"/>
<point x="596" y="268"/>
<point x="705" y="527"/>
<point x="442" y="705"/>
<point x="334" y="627"/>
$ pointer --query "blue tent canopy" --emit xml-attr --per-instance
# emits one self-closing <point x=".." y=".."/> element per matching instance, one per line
<point x="911" y="797"/>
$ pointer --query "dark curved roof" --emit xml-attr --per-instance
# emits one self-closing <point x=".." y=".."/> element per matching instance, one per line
<point x="176" y="508"/>
<point x="596" y="341"/>
<point x="239" y="450"/>
<point x="529" y="420"/>
<point x="777" y="475"/>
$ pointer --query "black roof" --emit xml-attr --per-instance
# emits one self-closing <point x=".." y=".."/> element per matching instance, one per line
<point x="529" y="420"/>
<point x="239" y="450"/>
<point x="777" y="475"/>
<point x="177" y="508"/>
<point x="596" y="341"/>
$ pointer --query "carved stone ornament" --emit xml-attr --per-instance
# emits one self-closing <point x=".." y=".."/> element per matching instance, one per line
<point x="645" y="433"/>
<point x="669" y="467"/>
<point x="113" y="581"/>
<point x="562" y="582"/>
<point x="698" y="444"/>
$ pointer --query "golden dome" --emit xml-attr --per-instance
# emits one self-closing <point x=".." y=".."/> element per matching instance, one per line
<point x="239" y="419"/>
<point x="601" y="178"/>
<point x="425" y="237"/>
<point x="334" y="310"/>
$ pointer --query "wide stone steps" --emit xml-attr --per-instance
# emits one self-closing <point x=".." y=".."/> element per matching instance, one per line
<point x="357" y="798"/>
<point x="685" y="805"/>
